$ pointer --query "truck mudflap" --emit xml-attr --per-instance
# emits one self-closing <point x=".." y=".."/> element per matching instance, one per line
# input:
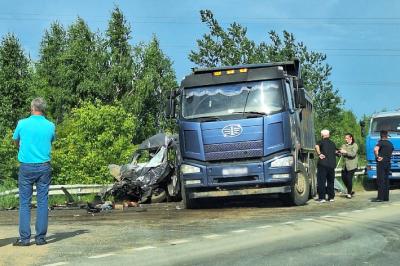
<point x="240" y="192"/>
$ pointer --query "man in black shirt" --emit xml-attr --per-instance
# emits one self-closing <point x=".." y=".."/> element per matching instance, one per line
<point x="326" y="151"/>
<point x="383" y="153"/>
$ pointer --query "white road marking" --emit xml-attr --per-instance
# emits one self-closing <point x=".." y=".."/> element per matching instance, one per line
<point x="239" y="231"/>
<point x="264" y="226"/>
<point x="212" y="236"/>
<point x="358" y="210"/>
<point x="178" y="241"/>
<point x="343" y="213"/>
<point x="385" y="206"/>
<point x="101" y="256"/>
<point x="57" y="264"/>
<point x="372" y="208"/>
<point x="308" y="219"/>
<point x="144" y="248"/>
<point x="290" y="222"/>
<point x="327" y="216"/>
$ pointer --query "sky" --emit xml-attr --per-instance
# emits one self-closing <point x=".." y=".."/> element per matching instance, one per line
<point x="361" y="38"/>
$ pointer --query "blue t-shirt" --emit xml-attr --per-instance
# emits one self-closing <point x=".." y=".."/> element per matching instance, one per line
<point x="35" y="135"/>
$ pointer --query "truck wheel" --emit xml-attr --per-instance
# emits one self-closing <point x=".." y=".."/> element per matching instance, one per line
<point x="188" y="203"/>
<point x="313" y="178"/>
<point x="369" y="184"/>
<point x="300" y="188"/>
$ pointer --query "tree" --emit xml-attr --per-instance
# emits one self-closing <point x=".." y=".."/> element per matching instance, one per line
<point x="120" y="73"/>
<point x="48" y="81"/>
<point x="233" y="47"/>
<point x="153" y="80"/>
<point x="89" y="139"/>
<point x="14" y="82"/>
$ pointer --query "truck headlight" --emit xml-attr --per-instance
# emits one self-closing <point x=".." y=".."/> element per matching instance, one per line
<point x="189" y="169"/>
<point x="283" y="162"/>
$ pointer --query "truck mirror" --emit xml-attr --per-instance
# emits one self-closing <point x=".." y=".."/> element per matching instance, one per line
<point x="300" y="98"/>
<point x="362" y="126"/>
<point x="170" y="111"/>
<point x="298" y="83"/>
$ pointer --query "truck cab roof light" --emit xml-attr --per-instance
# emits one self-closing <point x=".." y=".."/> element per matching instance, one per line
<point x="243" y="70"/>
<point x="217" y="73"/>
<point x="230" y="72"/>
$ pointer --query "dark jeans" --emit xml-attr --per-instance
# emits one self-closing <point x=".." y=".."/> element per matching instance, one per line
<point x="347" y="177"/>
<point x="28" y="175"/>
<point x="382" y="180"/>
<point x="326" y="182"/>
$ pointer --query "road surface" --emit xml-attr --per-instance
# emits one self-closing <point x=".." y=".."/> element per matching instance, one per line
<point x="252" y="232"/>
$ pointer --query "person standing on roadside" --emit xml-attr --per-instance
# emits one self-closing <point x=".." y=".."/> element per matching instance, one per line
<point x="349" y="152"/>
<point x="33" y="137"/>
<point x="383" y="153"/>
<point x="326" y="151"/>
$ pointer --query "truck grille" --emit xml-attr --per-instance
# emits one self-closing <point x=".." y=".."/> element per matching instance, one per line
<point x="396" y="155"/>
<point x="235" y="150"/>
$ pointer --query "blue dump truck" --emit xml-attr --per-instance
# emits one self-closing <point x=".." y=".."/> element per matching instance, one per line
<point x="389" y="121"/>
<point x="245" y="130"/>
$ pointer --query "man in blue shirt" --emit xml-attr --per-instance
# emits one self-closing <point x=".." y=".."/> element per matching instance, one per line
<point x="34" y="136"/>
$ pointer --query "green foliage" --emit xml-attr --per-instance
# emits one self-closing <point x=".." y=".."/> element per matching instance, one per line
<point x="153" y="80"/>
<point x="14" y="82"/>
<point x="89" y="139"/>
<point x="233" y="47"/>
<point x="8" y="155"/>
<point x="8" y="201"/>
<point x="120" y="61"/>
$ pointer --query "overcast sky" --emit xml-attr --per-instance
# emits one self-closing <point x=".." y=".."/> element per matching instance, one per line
<point x="360" y="38"/>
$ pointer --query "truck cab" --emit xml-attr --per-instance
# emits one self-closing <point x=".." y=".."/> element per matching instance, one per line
<point x="389" y="121"/>
<point x="245" y="130"/>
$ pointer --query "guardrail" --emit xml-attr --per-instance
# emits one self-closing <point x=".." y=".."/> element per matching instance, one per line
<point x="72" y="189"/>
<point x="360" y="171"/>
<point x="95" y="188"/>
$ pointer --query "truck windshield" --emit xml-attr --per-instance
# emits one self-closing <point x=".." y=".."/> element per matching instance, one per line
<point x="261" y="97"/>
<point x="391" y="124"/>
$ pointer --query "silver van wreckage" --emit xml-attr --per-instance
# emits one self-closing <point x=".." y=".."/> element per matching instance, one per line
<point x="151" y="174"/>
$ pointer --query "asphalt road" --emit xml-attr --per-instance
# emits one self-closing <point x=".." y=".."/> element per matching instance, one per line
<point x="253" y="232"/>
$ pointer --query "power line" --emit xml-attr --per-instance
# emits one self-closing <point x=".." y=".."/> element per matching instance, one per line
<point x="188" y="20"/>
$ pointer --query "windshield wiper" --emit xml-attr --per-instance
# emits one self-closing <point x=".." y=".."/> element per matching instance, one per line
<point x="251" y="113"/>
<point x="209" y="118"/>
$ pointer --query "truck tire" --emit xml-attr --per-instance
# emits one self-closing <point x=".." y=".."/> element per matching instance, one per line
<point x="312" y="172"/>
<point x="188" y="203"/>
<point x="300" y="188"/>
<point x="369" y="184"/>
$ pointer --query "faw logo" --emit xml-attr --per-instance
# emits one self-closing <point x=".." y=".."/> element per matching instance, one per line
<point x="232" y="130"/>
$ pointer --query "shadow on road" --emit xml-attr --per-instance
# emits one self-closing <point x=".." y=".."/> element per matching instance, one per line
<point x="50" y="239"/>
<point x="245" y="202"/>
<point x="61" y="236"/>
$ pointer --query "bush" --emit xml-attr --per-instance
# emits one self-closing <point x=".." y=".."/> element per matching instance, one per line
<point x="88" y="140"/>
<point x="8" y="201"/>
<point x="8" y="155"/>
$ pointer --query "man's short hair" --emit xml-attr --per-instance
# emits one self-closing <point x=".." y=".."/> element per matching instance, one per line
<point x="384" y="134"/>
<point x="325" y="133"/>
<point x="38" y="104"/>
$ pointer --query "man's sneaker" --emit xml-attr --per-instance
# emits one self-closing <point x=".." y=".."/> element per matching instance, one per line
<point x="41" y="242"/>
<point x="321" y="201"/>
<point x="348" y="196"/>
<point x="332" y="200"/>
<point x="20" y="243"/>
